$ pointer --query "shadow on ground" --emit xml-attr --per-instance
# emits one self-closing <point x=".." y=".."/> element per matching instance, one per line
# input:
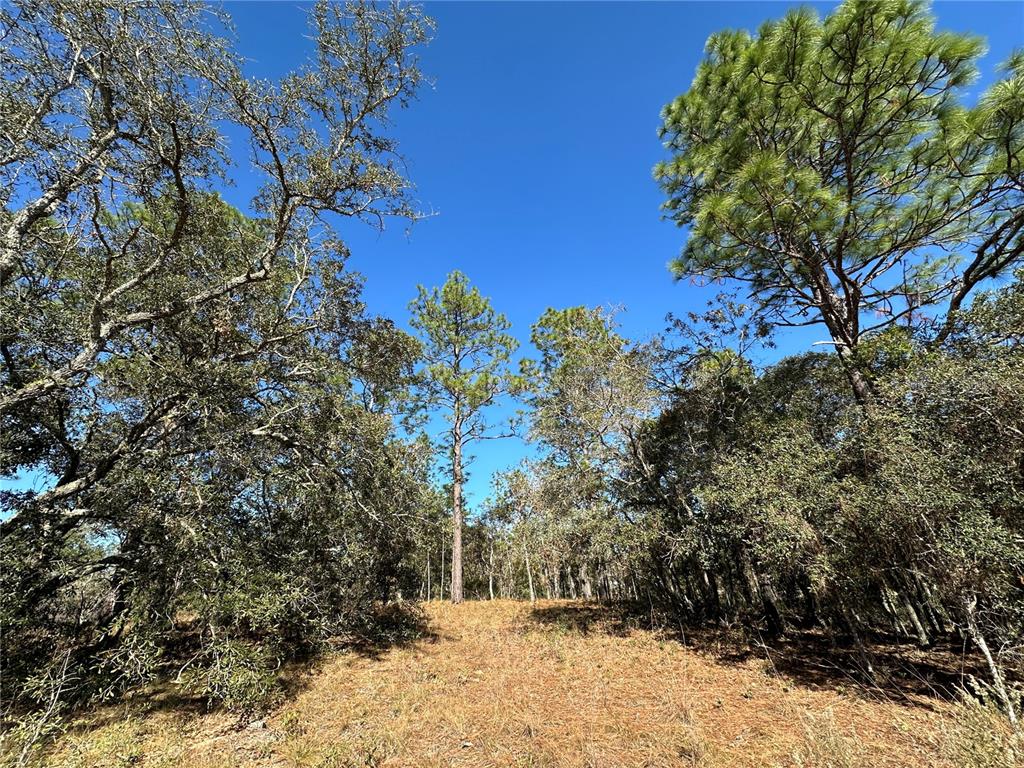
<point x="394" y="626"/>
<point x="586" y="618"/>
<point x="902" y="671"/>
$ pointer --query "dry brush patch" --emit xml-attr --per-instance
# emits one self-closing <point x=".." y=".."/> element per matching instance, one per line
<point x="557" y="684"/>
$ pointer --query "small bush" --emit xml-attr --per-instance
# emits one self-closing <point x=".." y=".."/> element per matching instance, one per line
<point x="24" y="738"/>
<point x="236" y="674"/>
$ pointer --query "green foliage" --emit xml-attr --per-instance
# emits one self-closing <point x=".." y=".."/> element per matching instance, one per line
<point x="552" y="527"/>
<point x="828" y="165"/>
<point x="218" y="427"/>
<point x="466" y="353"/>
<point x="237" y="673"/>
<point x="197" y="395"/>
<point x="590" y="388"/>
<point x="902" y="517"/>
<point x="466" y="349"/>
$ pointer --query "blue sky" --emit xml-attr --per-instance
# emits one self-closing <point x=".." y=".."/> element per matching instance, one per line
<point x="534" y="149"/>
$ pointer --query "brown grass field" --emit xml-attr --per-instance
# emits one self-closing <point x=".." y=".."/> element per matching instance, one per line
<point x="509" y="684"/>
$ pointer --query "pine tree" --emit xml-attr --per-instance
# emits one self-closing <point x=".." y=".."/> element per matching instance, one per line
<point x="828" y="166"/>
<point x="466" y="354"/>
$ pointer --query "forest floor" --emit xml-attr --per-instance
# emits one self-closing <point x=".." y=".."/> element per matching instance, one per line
<point x="556" y="684"/>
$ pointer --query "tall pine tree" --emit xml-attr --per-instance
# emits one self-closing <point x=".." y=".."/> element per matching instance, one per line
<point x="466" y="352"/>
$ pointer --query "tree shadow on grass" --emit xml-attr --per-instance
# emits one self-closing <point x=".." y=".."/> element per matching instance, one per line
<point x="585" y="618"/>
<point x="394" y="626"/>
<point x="808" y="658"/>
<point x="902" y="672"/>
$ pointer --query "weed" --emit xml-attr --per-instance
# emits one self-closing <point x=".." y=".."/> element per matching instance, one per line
<point x="976" y="734"/>
<point x="825" y="745"/>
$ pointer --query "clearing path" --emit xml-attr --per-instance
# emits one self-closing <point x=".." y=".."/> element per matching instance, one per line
<point x="557" y="684"/>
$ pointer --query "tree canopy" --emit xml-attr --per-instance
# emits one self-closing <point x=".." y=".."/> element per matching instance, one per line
<point x="217" y="485"/>
<point x="832" y="167"/>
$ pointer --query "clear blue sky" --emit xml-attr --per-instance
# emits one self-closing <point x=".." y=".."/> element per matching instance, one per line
<point x="534" y="148"/>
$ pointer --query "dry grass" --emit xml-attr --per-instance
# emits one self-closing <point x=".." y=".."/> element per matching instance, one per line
<point x="504" y="684"/>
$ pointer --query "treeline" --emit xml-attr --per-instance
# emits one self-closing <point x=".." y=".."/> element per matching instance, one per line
<point x="771" y="498"/>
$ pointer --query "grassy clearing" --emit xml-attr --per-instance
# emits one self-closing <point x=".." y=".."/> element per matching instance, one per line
<point x="507" y="684"/>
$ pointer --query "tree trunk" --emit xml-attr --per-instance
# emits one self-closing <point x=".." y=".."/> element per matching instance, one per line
<point x="843" y="326"/>
<point x="712" y="598"/>
<point x="457" y="508"/>
<point x="922" y="634"/>
<point x="761" y="590"/>
<point x="810" y="602"/>
<point x="937" y="616"/>
<point x="852" y="624"/>
<point x="998" y="680"/>
<point x="861" y="385"/>
<point x="894" y="614"/>
<point x="490" y="570"/>
<point x="529" y="575"/>
<point x="588" y="590"/>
